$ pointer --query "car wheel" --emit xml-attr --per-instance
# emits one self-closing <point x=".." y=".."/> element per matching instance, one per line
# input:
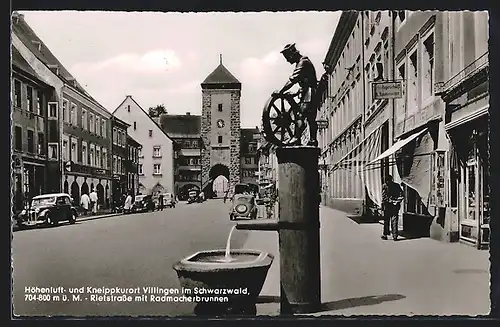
<point x="50" y="221"/>
<point x="72" y="218"/>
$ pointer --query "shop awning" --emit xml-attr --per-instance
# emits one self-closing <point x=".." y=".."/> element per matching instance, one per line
<point x="397" y="146"/>
<point x="355" y="162"/>
<point x="371" y="142"/>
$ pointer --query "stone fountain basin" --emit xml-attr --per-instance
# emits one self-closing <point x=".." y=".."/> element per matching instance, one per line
<point x="249" y="271"/>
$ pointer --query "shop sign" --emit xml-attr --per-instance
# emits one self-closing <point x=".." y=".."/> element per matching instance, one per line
<point x="439" y="178"/>
<point x="387" y="90"/>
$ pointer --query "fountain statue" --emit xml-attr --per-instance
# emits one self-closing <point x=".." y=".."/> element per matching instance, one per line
<point x="285" y="118"/>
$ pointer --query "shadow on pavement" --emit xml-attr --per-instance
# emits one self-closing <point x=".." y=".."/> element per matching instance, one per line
<point x="42" y="226"/>
<point x="345" y="303"/>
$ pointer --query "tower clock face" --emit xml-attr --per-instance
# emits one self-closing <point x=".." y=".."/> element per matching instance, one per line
<point x="220" y="123"/>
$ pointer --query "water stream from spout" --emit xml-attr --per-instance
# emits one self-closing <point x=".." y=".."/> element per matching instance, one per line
<point x="227" y="257"/>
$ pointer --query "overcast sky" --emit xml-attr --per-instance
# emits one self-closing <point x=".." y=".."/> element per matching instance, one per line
<point x="163" y="57"/>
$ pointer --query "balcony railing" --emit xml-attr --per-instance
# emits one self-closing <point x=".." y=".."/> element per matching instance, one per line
<point x="469" y="70"/>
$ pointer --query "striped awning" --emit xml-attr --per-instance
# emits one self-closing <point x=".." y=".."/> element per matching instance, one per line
<point x="357" y="161"/>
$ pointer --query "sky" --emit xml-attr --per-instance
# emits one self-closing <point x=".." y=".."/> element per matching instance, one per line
<point x="161" y="58"/>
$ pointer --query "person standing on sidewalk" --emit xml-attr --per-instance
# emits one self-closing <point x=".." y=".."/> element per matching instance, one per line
<point x="85" y="203"/>
<point x="392" y="195"/>
<point x="94" y="199"/>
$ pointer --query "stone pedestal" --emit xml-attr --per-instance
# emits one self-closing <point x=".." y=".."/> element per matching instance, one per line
<point x="299" y="235"/>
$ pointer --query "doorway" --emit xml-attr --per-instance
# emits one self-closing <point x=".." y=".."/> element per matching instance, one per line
<point x="474" y="220"/>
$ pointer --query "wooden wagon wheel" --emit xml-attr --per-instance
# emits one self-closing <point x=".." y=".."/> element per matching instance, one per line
<point x="279" y="119"/>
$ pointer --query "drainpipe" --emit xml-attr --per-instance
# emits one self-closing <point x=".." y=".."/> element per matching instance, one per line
<point x="393" y="65"/>
<point x="363" y="68"/>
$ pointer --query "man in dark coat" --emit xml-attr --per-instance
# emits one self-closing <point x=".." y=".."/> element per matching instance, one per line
<point x="392" y="195"/>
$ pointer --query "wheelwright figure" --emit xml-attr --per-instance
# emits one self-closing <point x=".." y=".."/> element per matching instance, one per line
<point x="304" y="75"/>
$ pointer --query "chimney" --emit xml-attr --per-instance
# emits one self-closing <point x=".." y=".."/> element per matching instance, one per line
<point x="16" y="17"/>
<point x="38" y="44"/>
<point x="54" y="69"/>
<point x="188" y="113"/>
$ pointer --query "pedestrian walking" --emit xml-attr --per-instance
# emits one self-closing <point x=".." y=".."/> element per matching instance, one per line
<point x="160" y="202"/>
<point x="94" y="199"/>
<point x="85" y="203"/>
<point x="127" y="205"/>
<point x="392" y="195"/>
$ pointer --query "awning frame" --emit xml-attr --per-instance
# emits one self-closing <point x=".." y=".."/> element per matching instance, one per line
<point x="337" y="164"/>
<point x="398" y="145"/>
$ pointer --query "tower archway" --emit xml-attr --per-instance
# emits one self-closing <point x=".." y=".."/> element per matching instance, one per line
<point x="218" y="181"/>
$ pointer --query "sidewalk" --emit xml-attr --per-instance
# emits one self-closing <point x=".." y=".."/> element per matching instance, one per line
<point x="364" y="275"/>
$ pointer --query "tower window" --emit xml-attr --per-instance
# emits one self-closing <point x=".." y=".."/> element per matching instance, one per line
<point x="150" y="133"/>
<point x="220" y="107"/>
<point x="219" y="139"/>
<point x="128" y="108"/>
<point x="135" y="126"/>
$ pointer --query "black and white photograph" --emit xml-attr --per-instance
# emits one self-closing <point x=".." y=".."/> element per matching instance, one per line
<point x="250" y="164"/>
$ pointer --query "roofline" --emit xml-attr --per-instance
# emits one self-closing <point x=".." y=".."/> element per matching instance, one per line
<point x="134" y="140"/>
<point x="88" y="97"/>
<point x="113" y="117"/>
<point x="129" y="96"/>
<point x="19" y="70"/>
<point x="343" y="30"/>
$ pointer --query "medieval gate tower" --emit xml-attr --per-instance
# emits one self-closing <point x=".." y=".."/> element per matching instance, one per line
<point x="220" y="128"/>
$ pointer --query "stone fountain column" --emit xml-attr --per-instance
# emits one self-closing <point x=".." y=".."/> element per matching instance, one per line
<point x="299" y="234"/>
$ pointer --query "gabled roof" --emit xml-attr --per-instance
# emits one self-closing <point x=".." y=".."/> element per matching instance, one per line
<point x="19" y="62"/>
<point x="221" y="77"/>
<point x="138" y="105"/>
<point x="134" y="141"/>
<point x="181" y="125"/>
<point x="29" y="38"/>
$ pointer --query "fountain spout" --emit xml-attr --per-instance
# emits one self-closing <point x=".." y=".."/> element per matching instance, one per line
<point x="257" y="225"/>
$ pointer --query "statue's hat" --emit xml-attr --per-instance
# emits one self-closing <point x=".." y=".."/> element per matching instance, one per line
<point x="289" y="48"/>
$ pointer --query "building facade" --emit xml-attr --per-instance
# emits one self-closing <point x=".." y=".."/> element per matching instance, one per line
<point x="35" y="125"/>
<point x="132" y="165"/>
<point x="84" y="144"/>
<point x="156" y="158"/>
<point x="120" y="153"/>
<point x="249" y="155"/>
<point x="185" y="130"/>
<point x="220" y="128"/>
<point x="462" y="174"/>
<point x="344" y="107"/>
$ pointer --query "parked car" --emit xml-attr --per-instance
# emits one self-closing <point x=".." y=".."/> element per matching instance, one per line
<point x="143" y="203"/>
<point x="243" y="207"/>
<point x="169" y="200"/>
<point x="48" y="209"/>
<point x="193" y="196"/>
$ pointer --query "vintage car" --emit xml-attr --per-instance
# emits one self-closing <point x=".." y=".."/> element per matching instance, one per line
<point x="193" y="196"/>
<point x="143" y="203"/>
<point x="243" y="207"/>
<point x="48" y="209"/>
<point x="169" y="200"/>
